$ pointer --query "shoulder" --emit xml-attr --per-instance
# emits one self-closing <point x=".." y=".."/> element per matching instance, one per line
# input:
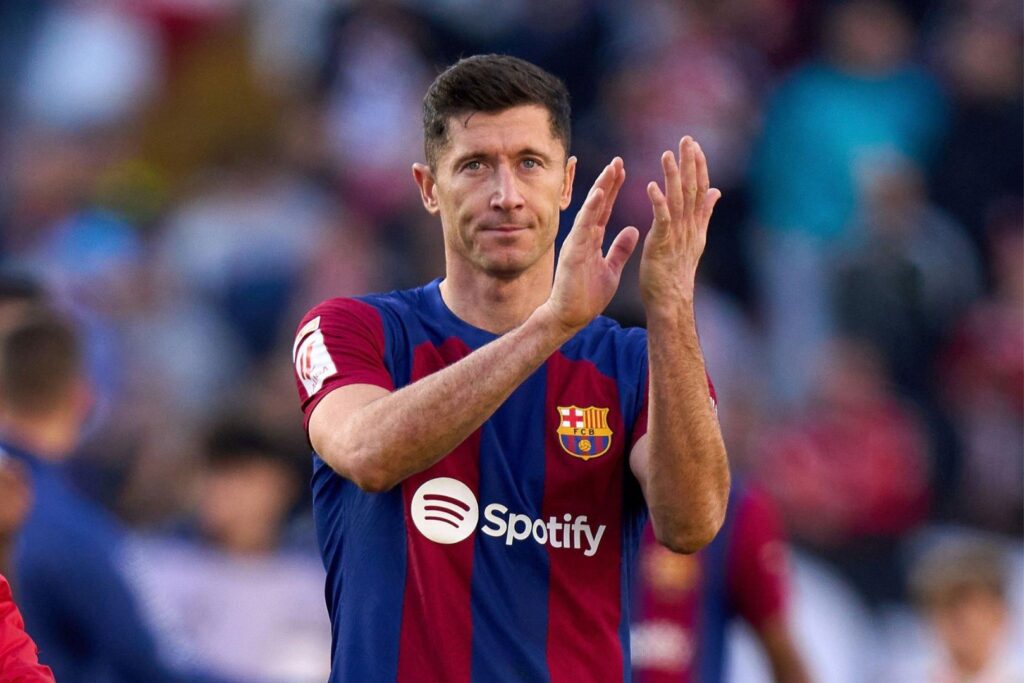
<point x="376" y="315"/>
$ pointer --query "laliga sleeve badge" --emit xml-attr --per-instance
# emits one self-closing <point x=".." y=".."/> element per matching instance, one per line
<point x="583" y="432"/>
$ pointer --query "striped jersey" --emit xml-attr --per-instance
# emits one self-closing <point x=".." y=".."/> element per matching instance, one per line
<point x="684" y="604"/>
<point x="511" y="558"/>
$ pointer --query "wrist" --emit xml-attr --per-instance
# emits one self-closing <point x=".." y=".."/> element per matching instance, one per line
<point x="678" y="311"/>
<point x="547" y="322"/>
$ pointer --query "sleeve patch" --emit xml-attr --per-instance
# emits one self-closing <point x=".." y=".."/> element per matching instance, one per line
<point x="313" y="363"/>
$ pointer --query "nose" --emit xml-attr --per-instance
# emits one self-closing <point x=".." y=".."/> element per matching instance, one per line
<point x="507" y="195"/>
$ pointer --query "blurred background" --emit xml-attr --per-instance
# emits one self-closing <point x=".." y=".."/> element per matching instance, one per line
<point x="188" y="177"/>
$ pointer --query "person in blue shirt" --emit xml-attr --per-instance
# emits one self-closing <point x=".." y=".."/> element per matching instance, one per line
<point x="76" y="603"/>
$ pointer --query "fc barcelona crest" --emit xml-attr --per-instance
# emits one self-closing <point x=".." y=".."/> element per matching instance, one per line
<point x="583" y="432"/>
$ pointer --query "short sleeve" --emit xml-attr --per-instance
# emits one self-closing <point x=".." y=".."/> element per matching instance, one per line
<point x="338" y="343"/>
<point x="757" y="571"/>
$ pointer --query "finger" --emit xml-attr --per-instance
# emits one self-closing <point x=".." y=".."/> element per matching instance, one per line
<point x="659" y="204"/>
<point x="673" y="190"/>
<point x="711" y="198"/>
<point x="701" y="168"/>
<point x="582" y="228"/>
<point x="618" y="178"/>
<point x="622" y="248"/>
<point x="602" y="182"/>
<point x="688" y="178"/>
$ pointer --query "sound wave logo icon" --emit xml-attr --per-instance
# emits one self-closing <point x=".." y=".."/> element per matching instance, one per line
<point x="444" y="510"/>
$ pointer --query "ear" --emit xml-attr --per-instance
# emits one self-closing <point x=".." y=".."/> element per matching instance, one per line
<point x="424" y="178"/>
<point x="570" y="175"/>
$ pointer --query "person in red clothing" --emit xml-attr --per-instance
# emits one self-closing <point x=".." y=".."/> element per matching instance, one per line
<point x="19" y="661"/>
<point x="685" y="603"/>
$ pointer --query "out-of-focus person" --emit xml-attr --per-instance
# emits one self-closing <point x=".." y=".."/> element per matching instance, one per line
<point x="960" y="587"/>
<point x="200" y="588"/>
<point x="825" y="121"/>
<point x="850" y="473"/>
<point x="684" y="603"/>
<point x="19" y="659"/>
<point x="982" y="376"/>
<point x="75" y="600"/>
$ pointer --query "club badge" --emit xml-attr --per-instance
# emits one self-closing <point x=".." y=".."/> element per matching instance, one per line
<point x="583" y="432"/>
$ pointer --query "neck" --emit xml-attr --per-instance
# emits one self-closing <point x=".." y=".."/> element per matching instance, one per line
<point x="48" y="438"/>
<point x="493" y="303"/>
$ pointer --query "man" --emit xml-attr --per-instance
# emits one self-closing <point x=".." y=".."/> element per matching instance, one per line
<point x="487" y="446"/>
<point x="685" y="603"/>
<point x="77" y="604"/>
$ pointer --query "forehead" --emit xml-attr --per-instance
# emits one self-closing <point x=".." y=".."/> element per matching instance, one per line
<point x="506" y="132"/>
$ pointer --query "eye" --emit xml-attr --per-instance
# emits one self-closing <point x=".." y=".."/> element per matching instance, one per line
<point x="531" y="164"/>
<point x="473" y="165"/>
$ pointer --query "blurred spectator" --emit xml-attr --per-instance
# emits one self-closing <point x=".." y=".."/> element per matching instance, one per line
<point x="243" y="243"/>
<point x="235" y="594"/>
<point x="91" y="65"/>
<point x="372" y="109"/>
<point x="826" y="120"/>
<point x="19" y="660"/>
<point x="911" y="274"/>
<point x="684" y="603"/>
<point x="960" y="586"/>
<point x="851" y="472"/>
<point x="983" y="387"/>
<point x="978" y="54"/>
<point x="78" y="607"/>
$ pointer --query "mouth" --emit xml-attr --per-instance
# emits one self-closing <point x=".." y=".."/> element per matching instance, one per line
<point x="504" y="229"/>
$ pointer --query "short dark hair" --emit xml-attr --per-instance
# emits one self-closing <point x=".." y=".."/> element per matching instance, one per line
<point x="491" y="83"/>
<point x="40" y="361"/>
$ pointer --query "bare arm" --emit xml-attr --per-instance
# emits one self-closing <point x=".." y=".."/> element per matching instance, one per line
<point x="681" y="462"/>
<point x="378" y="438"/>
<point x="787" y="664"/>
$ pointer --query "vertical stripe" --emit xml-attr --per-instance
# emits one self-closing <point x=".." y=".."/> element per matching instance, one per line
<point x="714" y="605"/>
<point x="584" y="602"/>
<point x="510" y="582"/>
<point x="437" y="622"/>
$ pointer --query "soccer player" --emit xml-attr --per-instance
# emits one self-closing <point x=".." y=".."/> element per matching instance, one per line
<point x="685" y="603"/>
<point x="487" y="445"/>
<point x="77" y="605"/>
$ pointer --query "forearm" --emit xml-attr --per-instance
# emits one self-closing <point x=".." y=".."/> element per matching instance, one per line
<point x="787" y="664"/>
<point x="407" y="431"/>
<point x="687" y="483"/>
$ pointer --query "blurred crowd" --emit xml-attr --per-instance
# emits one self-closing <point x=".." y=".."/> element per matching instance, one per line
<point x="187" y="177"/>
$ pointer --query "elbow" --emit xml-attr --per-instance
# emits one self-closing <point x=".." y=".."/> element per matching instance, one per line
<point x="695" y="531"/>
<point x="371" y="481"/>
<point x="687" y="541"/>
<point x="361" y="469"/>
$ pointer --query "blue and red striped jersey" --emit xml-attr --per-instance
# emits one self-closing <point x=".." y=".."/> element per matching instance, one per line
<point x="511" y="558"/>
<point x="683" y="604"/>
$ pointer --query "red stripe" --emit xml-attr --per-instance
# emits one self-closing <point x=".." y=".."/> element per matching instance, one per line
<point x="437" y="623"/>
<point x="584" y="595"/>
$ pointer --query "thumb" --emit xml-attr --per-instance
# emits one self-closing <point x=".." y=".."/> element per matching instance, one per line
<point x="622" y="248"/>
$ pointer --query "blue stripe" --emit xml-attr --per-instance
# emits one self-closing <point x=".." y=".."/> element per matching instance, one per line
<point x="714" y="601"/>
<point x="510" y="583"/>
<point x="361" y="586"/>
